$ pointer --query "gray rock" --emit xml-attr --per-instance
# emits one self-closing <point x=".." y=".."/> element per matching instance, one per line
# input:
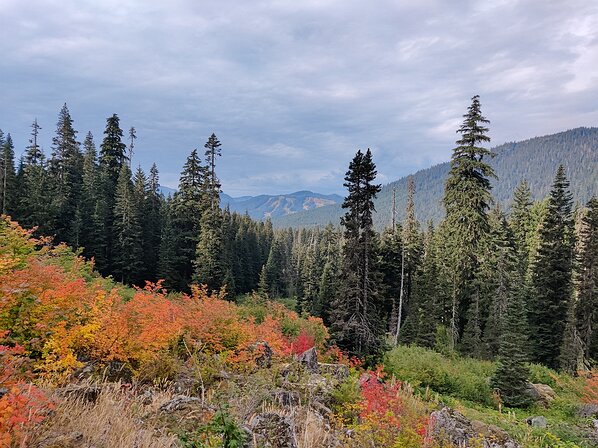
<point x="538" y="421"/>
<point x="309" y="359"/>
<point x="3" y="391"/>
<point x="270" y="430"/>
<point x="449" y="426"/>
<point x="588" y="410"/>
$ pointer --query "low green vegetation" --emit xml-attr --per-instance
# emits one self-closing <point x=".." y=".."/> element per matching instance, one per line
<point x="464" y="384"/>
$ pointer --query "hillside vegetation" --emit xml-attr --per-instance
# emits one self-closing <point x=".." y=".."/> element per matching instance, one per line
<point x="532" y="159"/>
<point x="88" y="362"/>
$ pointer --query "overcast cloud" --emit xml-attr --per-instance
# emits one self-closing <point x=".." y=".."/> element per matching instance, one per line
<point x="294" y="88"/>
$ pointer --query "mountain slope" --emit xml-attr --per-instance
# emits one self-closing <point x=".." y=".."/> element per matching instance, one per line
<point x="268" y="206"/>
<point x="535" y="159"/>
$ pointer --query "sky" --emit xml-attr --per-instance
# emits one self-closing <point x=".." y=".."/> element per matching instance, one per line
<point x="293" y="88"/>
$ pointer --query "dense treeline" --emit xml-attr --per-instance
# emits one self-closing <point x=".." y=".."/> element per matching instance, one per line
<point x="515" y="287"/>
<point x="92" y="200"/>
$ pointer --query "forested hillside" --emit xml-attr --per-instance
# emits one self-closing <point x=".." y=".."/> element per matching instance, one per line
<point x="577" y="149"/>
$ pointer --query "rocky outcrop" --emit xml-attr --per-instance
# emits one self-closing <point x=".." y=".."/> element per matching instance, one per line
<point x="84" y="392"/>
<point x="449" y="426"/>
<point x="263" y="354"/>
<point x="309" y="360"/>
<point x="588" y="410"/>
<point x="271" y="430"/>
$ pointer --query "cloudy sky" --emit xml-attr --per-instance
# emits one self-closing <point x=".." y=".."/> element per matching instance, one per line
<point x="294" y="88"/>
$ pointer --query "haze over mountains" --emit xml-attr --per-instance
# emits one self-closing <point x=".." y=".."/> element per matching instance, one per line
<point x="535" y="160"/>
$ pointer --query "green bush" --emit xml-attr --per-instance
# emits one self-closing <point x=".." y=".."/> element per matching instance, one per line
<point x="463" y="378"/>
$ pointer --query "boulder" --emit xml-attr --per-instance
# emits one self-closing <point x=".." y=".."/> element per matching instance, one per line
<point x="181" y="403"/>
<point x="271" y="430"/>
<point x="309" y="360"/>
<point x="542" y="393"/>
<point x="538" y="421"/>
<point x="588" y="410"/>
<point x="449" y="426"/>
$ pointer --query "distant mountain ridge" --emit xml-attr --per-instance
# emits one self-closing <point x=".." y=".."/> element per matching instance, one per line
<point x="272" y="206"/>
<point x="535" y="159"/>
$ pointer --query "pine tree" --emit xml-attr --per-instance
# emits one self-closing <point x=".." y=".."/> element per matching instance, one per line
<point x="184" y="214"/>
<point x="391" y="256"/>
<point x="35" y="197"/>
<point x="210" y="265"/>
<point x="466" y="200"/>
<point x="552" y="274"/>
<point x="8" y="176"/>
<point x="128" y="248"/>
<point x="427" y="292"/>
<point x="357" y="323"/>
<point x="112" y="158"/>
<point x="92" y="239"/>
<point x="66" y="172"/>
<point x="497" y="274"/>
<point x="511" y="375"/>
<point x="152" y="223"/>
<point x="586" y="277"/>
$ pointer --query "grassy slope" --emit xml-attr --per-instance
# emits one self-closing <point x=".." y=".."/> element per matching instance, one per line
<point x="463" y="384"/>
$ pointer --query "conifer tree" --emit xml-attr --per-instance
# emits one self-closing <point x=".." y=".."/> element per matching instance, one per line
<point x="92" y="239"/>
<point x="8" y="176"/>
<point x="112" y="158"/>
<point x="511" y="375"/>
<point x="427" y="293"/>
<point x="586" y="280"/>
<point x="185" y="211"/>
<point x="357" y="323"/>
<point x="552" y="274"/>
<point x="152" y="223"/>
<point x="128" y="248"/>
<point x="466" y="200"/>
<point x="500" y="279"/>
<point x="66" y="171"/>
<point x="391" y="257"/>
<point x="34" y="200"/>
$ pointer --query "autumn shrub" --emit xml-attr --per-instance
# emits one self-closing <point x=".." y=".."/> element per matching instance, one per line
<point x="389" y="413"/>
<point x="62" y="314"/>
<point x="590" y="390"/>
<point x="22" y="405"/>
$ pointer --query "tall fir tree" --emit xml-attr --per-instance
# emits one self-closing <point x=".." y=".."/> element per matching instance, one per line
<point x="552" y="274"/>
<point x="512" y="373"/>
<point x="8" y="176"/>
<point x="92" y="239"/>
<point x="210" y="265"/>
<point x="128" y="247"/>
<point x="357" y="323"/>
<point x="35" y="195"/>
<point x="586" y="280"/>
<point x="184" y="215"/>
<point x="466" y="200"/>
<point x="152" y="223"/>
<point x="65" y="173"/>
<point x="111" y="159"/>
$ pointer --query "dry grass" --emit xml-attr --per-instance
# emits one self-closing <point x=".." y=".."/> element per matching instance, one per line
<point x="115" y="420"/>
